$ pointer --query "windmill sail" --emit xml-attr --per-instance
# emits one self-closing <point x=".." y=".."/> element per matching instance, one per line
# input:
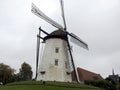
<point x="63" y="15"/>
<point x="40" y="14"/>
<point x="75" y="39"/>
<point x="37" y="54"/>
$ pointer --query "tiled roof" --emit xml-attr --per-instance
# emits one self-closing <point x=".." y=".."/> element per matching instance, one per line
<point x="86" y="75"/>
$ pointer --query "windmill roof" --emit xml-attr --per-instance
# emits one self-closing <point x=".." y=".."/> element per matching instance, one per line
<point x="56" y="34"/>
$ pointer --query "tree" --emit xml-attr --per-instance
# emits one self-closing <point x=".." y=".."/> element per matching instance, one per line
<point x="6" y="73"/>
<point x="119" y="79"/>
<point x="25" y="72"/>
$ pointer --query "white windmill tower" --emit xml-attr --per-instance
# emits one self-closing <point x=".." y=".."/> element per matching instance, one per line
<point x="55" y="62"/>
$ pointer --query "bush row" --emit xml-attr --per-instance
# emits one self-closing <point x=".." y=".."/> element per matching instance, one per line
<point x="101" y="83"/>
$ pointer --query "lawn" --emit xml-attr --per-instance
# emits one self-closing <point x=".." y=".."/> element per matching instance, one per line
<point x="32" y="85"/>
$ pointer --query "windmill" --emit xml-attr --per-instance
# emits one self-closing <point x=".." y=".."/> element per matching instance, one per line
<point x="51" y="41"/>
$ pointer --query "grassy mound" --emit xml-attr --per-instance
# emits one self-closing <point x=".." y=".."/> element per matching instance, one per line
<point x="37" y="85"/>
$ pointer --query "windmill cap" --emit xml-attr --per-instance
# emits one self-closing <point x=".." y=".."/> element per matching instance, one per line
<point x="56" y="34"/>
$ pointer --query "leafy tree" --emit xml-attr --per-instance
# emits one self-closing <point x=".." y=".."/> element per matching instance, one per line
<point x="25" y="72"/>
<point x="6" y="73"/>
<point x="17" y="77"/>
<point x="119" y="79"/>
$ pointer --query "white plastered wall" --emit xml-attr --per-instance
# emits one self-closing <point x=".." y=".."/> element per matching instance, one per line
<point x="47" y="65"/>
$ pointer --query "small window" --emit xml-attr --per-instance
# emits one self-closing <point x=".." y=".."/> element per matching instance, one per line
<point x="68" y="73"/>
<point x="56" y="62"/>
<point x="57" y="50"/>
<point x="66" y="65"/>
<point x="42" y="72"/>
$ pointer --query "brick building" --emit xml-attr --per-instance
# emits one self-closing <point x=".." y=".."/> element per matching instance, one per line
<point x="86" y="75"/>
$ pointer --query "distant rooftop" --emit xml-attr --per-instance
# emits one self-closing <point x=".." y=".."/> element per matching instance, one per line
<point x="86" y="75"/>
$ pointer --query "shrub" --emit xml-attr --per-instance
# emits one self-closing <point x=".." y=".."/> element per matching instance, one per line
<point x="101" y="83"/>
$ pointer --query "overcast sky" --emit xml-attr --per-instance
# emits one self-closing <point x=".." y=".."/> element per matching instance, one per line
<point x="97" y="22"/>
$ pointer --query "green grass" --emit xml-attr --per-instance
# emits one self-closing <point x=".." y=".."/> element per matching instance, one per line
<point x="33" y="85"/>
